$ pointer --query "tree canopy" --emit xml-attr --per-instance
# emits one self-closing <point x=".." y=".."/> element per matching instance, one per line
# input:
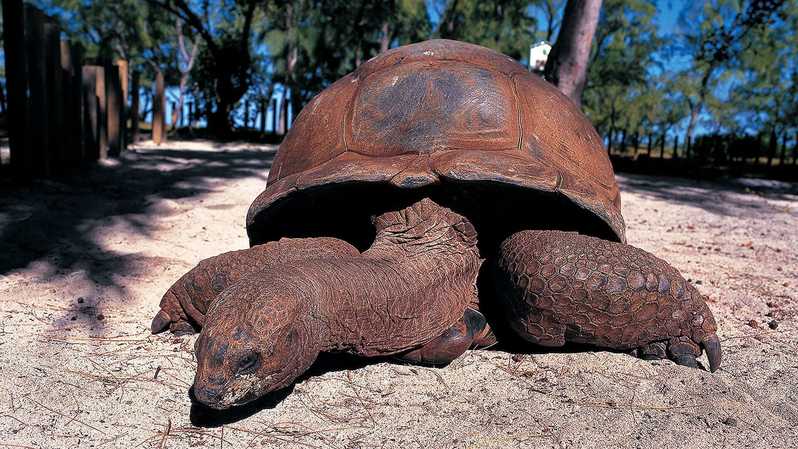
<point x="721" y="66"/>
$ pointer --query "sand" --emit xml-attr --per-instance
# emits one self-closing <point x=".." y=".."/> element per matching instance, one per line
<point x="84" y="261"/>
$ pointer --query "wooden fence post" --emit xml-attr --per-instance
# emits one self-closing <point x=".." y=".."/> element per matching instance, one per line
<point x="134" y="107"/>
<point x="37" y="126"/>
<point x="55" y="96"/>
<point x="91" y="122"/>
<point x="70" y="62"/>
<point x="158" y="112"/>
<point x="16" y="85"/>
<point x="122" y="67"/>
<point x="102" y="112"/>
<point x="113" y="98"/>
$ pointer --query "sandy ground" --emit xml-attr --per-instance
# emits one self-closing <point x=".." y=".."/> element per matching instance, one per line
<point x="83" y="263"/>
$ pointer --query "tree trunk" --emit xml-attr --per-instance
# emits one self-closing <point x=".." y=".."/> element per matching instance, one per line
<point x="772" y="146"/>
<point x="662" y="147"/>
<point x="783" y="153"/>
<point x="385" y="38"/>
<point x="566" y="67"/>
<point x="158" y="111"/>
<point x="263" y="107"/>
<point x="134" y="107"/>
<point x="623" y="141"/>
<point x="649" y="145"/>
<point x="2" y="99"/>
<point x="282" y="110"/>
<point x="610" y="136"/>
<point x="185" y="71"/>
<point x="795" y="150"/>
<point x="676" y="146"/>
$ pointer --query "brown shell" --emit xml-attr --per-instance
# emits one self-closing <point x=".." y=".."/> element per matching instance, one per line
<point x="439" y="111"/>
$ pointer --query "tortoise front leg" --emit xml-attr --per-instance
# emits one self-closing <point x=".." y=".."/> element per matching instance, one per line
<point x="559" y="287"/>
<point x="184" y="305"/>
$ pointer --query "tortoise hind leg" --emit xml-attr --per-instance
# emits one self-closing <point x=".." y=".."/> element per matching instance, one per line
<point x="470" y="330"/>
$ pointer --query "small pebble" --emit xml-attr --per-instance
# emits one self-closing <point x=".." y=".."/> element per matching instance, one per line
<point x="100" y="317"/>
<point x="753" y="324"/>
<point x="730" y="421"/>
<point x="80" y="300"/>
<point x="773" y="324"/>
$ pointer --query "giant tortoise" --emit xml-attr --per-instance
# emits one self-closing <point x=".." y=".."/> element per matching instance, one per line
<point x="437" y="194"/>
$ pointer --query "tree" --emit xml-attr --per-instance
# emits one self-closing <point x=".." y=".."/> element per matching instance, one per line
<point x="225" y="61"/>
<point x="567" y="64"/>
<point x="313" y="43"/>
<point x="503" y="25"/>
<point x="620" y="93"/>
<point x="185" y="62"/>
<point x="716" y="34"/>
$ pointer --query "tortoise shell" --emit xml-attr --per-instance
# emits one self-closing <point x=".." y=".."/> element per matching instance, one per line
<point x="439" y="118"/>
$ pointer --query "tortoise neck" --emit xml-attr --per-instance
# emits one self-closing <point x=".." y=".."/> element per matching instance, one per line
<point x="422" y="229"/>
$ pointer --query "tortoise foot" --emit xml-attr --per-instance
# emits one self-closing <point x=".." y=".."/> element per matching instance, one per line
<point x="452" y="343"/>
<point x="681" y="352"/>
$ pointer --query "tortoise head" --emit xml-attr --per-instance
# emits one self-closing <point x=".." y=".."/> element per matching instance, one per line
<point x="258" y="337"/>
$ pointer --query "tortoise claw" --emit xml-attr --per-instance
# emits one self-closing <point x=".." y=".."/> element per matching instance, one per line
<point x="711" y="345"/>
<point x="160" y="323"/>
<point x="163" y="322"/>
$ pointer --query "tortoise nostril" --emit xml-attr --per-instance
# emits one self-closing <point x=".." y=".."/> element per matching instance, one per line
<point x="205" y="394"/>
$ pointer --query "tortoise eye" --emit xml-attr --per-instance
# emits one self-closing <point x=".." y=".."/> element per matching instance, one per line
<point x="247" y="363"/>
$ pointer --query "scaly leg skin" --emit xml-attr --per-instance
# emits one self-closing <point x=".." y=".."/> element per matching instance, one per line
<point x="558" y="287"/>
<point x="184" y="305"/>
<point x="452" y="343"/>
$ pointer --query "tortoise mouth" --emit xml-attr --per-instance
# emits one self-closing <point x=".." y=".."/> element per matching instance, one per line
<point x="496" y="209"/>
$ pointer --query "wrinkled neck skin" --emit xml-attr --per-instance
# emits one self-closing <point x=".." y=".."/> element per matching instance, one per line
<point x="413" y="283"/>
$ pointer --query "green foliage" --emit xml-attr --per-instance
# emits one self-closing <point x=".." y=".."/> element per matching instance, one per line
<point x="621" y="93"/>
<point x="503" y="25"/>
<point x="128" y="29"/>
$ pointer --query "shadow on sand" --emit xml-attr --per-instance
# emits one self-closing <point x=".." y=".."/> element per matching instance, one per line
<point x="54" y="223"/>
<point x="724" y="197"/>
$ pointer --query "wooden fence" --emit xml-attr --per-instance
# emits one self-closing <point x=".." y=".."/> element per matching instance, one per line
<point x="62" y="113"/>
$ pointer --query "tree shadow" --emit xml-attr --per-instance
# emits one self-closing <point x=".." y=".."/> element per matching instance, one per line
<point x="52" y="228"/>
<point x="732" y="197"/>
